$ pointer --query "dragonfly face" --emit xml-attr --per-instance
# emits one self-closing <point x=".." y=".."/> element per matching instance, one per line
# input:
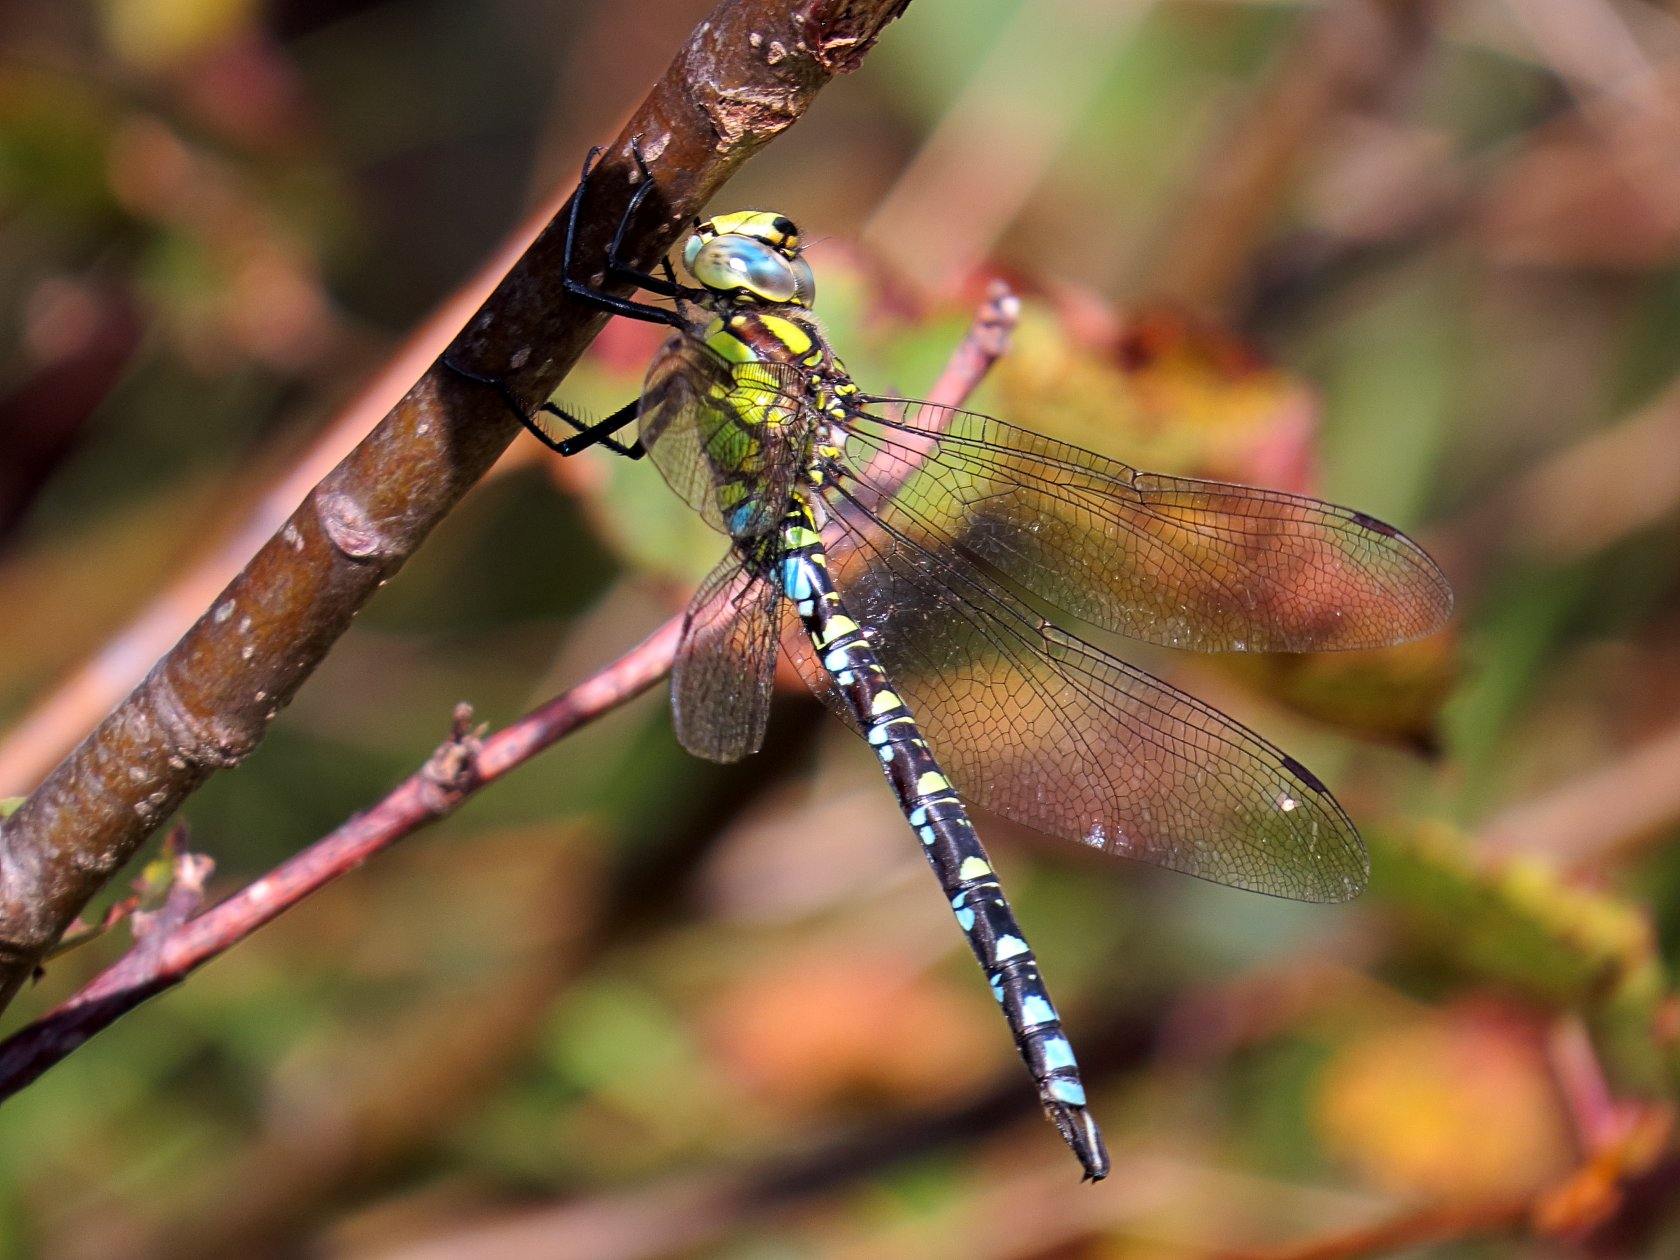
<point x="751" y="256"/>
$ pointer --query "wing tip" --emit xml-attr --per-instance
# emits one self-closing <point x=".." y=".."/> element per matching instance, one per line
<point x="1434" y="594"/>
<point x="1345" y="872"/>
<point x="1334" y="882"/>
<point x="1351" y="884"/>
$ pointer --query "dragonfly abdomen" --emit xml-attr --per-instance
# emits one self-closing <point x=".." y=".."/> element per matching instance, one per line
<point x="949" y="841"/>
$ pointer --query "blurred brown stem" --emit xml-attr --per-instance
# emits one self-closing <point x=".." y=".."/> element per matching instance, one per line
<point x="1401" y="1233"/>
<point x="459" y="768"/>
<point x="1349" y="54"/>
<point x="1628" y="1156"/>
<point x="1591" y="818"/>
<point x="747" y="73"/>
<point x="1581" y="500"/>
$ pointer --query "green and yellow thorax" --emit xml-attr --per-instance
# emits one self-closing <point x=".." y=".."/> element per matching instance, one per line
<point x="755" y="316"/>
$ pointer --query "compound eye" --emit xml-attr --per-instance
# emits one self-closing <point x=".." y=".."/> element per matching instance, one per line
<point x="728" y="263"/>
<point x="804" y="283"/>
<point x="691" y="248"/>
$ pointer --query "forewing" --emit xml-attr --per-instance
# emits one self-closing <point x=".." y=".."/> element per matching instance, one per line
<point x="1171" y="560"/>
<point x="1052" y="732"/>
<point x="726" y="665"/>
<point x="730" y="439"/>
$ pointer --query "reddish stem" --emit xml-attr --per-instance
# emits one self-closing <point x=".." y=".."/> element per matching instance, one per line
<point x="462" y="765"/>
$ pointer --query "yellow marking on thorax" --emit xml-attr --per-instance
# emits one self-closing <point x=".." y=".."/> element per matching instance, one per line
<point x="721" y="338"/>
<point x="794" y="338"/>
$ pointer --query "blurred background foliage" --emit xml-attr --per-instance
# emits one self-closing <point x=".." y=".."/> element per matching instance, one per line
<point x="1422" y="256"/>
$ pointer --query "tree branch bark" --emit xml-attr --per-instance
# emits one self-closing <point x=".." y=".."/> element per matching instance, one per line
<point x="747" y="73"/>
<point x="460" y="767"/>
<point x="176" y="946"/>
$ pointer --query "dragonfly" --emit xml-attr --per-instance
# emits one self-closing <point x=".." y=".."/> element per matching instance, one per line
<point x="927" y="570"/>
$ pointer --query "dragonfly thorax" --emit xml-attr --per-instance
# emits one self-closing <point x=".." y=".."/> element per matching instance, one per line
<point x="750" y="256"/>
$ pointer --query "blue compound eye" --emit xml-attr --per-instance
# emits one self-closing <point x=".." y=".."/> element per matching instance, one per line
<point x="751" y="254"/>
<point x="727" y="264"/>
<point x="691" y="250"/>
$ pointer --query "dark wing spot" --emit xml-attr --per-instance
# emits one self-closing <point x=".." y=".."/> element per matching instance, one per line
<point x="1302" y="773"/>
<point x="1373" y="524"/>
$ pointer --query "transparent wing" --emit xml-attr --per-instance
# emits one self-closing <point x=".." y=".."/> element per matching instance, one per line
<point x="1052" y="732"/>
<point x="1170" y="560"/>
<point x="726" y="664"/>
<point x="730" y="439"/>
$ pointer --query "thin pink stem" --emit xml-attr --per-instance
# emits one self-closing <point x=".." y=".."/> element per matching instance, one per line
<point x="1600" y="1120"/>
<point x="458" y="769"/>
<point x="176" y="945"/>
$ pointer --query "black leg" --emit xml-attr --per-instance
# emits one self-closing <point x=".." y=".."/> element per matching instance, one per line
<point x="599" y="434"/>
<point x="598" y="298"/>
<point x="494" y="382"/>
<point x="617" y="269"/>
<point x="587" y="435"/>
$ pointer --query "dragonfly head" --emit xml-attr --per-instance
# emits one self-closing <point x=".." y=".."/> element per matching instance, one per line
<point x="752" y="256"/>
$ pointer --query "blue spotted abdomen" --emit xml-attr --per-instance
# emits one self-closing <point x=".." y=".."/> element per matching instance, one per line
<point x="949" y="841"/>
